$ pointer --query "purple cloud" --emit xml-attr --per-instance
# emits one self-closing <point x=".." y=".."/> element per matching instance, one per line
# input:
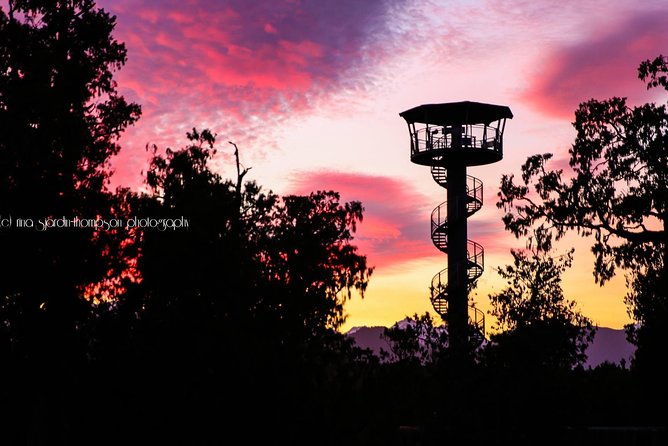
<point x="602" y="67"/>
<point x="242" y="67"/>
<point x="396" y="218"/>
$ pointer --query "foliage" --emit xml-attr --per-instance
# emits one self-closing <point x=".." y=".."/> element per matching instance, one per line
<point x="617" y="192"/>
<point x="416" y="340"/>
<point x="285" y="264"/>
<point x="243" y="301"/>
<point x="656" y="71"/>
<point x="307" y="253"/>
<point x="60" y="119"/>
<point x="537" y="325"/>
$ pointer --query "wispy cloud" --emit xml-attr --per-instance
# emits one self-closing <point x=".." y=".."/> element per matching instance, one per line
<point x="396" y="222"/>
<point x="243" y="67"/>
<point x="601" y="67"/>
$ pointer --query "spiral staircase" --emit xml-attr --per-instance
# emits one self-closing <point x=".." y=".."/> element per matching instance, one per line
<point x="449" y="138"/>
<point x="475" y="252"/>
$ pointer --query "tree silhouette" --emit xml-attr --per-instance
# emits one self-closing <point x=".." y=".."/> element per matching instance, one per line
<point x="60" y="119"/>
<point x="308" y="261"/>
<point x="242" y="305"/>
<point x="61" y="116"/>
<point x="416" y="339"/>
<point x="618" y="193"/>
<point x="284" y="259"/>
<point x="537" y="326"/>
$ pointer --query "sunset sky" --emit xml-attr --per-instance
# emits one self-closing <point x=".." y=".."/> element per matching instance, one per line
<point x="311" y="92"/>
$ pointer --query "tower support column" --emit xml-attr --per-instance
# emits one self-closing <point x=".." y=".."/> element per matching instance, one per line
<point x="457" y="317"/>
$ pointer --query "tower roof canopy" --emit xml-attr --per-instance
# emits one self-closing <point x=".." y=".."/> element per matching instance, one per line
<point x="451" y="113"/>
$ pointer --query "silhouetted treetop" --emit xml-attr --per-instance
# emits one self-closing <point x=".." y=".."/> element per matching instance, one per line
<point x="287" y="263"/>
<point x="617" y="192"/>
<point x="60" y="119"/>
<point x="537" y="324"/>
<point x="656" y="71"/>
<point x="57" y="94"/>
<point x="416" y="340"/>
<point x="619" y="183"/>
<point x="308" y="250"/>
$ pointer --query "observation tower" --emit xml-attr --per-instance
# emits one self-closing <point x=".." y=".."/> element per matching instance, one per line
<point x="448" y="138"/>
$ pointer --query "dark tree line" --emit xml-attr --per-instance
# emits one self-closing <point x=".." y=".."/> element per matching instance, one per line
<point x="229" y="327"/>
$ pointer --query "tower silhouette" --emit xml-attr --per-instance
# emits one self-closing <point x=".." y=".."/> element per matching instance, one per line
<point x="450" y="137"/>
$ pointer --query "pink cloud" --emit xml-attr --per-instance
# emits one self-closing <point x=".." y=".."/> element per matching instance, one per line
<point x="180" y="17"/>
<point x="149" y="15"/>
<point x="600" y="68"/>
<point x="396" y="218"/>
<point x="233" y="63"/>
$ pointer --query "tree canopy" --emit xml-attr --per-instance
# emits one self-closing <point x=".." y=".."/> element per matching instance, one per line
<point x="616" y="192"/>
<point x="286" y="259"/>
<point x="60" y="119"/>
<point x="537" y="325"/>
<point x="417" y="339"/>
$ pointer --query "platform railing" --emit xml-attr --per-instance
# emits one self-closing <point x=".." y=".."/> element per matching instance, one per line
<point x="476" y="136"/>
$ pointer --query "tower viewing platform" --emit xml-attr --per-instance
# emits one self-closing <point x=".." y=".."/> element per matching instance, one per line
<point x="466" y="132"/>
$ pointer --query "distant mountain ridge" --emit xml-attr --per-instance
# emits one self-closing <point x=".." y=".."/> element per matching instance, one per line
<point x="609" y="344"/>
